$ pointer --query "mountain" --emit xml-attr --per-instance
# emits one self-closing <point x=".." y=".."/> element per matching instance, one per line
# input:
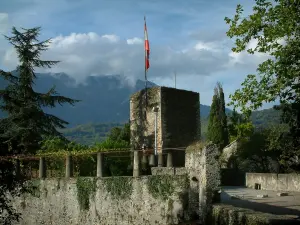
<point x="96" y="132"/>
<point x="265" y="117"/>
<point x="103" y="98"/>
<point x="105" y="104"/>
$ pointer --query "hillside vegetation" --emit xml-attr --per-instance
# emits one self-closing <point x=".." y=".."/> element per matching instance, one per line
<point x="94" y="132"/>
<point x="90" y="133"/>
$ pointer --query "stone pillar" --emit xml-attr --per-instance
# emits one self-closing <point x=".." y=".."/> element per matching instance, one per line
<point x="169" y="159"/>
<point x="160" y="160"/>
<point x="152" y="160"/>
<point x="144" y="161"/>
<point x="136" y="164"/>
<point x="99" y="164"/>
<point x="17" y="169"/>
<point x="42" y="168"/>
<point x="203" y="168"/>
<point x="69" y="166"/>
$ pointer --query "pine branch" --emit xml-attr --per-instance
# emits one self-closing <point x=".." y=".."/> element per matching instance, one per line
<point x="50" y="99"/>
<point x="9" y="77"/>
<point x="55" y="122"/>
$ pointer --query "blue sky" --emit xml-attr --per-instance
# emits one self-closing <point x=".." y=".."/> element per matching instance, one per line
<point x="103" y="37"/>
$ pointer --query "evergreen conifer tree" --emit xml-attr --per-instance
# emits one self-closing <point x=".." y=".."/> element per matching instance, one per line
<point x="27" y="123"/>
<point x="217" y="131"/>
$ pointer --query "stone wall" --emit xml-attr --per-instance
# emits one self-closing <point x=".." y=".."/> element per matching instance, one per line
<point x="178" y="120"/>
<point x="113" y="200"/>
<point x="142" y="118"/>
<point x="273" y="181"/>
<point x="229" y="215"/>
<point x="181" y="120"/>
<point x="201" y="163"/>
<point x="227" y="153"/>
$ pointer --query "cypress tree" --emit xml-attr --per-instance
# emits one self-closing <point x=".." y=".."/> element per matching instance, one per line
<point x="27" y="124"/>
<point x="217" y="131"/>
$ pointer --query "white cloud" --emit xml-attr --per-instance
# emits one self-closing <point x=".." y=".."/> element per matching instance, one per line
<point x="198" y="66"/>
<point x="134" y="40"/>
<point x="3" y="22"/>
<point x="84" y="54"/>
<point x="209" y="46"/>
<point x="246" y="60"/>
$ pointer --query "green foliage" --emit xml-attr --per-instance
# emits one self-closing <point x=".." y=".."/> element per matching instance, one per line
<point x="217" y="131"/>
<point x="111" y="144"/>
<point x="119" y="187"/>
<point x="27" y="123"/>
<point x="161" y="186"/>
<point x="118" y="137"/>
<point x="275" y="26"/>
<point x="266" y="117"/>
<point x="86" y="188"/>
<point x="57" y="144"/>
<point x="9" y="181"/>
<point x="239" y="126"/>
<point x="262" y="146"/>
<point x="89" y="134"/>
<point x="115" y="164"/>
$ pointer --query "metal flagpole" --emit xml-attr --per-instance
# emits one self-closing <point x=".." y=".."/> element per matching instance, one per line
<point x="175" y="78"/>
<point x="146" y="94"/>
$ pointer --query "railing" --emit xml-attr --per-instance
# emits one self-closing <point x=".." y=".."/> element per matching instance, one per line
<point x="72" y="164"/>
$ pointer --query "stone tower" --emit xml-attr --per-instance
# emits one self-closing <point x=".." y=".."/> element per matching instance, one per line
<point x="178" y="120"/>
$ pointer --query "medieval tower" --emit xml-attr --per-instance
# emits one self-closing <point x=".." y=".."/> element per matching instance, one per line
<point x="174" y="113"/>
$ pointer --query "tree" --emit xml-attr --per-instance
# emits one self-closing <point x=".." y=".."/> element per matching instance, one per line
<point x="264" y="148"/>
<point x="275" y="27"/>
<point x="217" y="131"/>
<point x="119" y="134"/>
<point x="118" y="137"/>
<point x="239" y="126"/>
<point x="27" y="123"/>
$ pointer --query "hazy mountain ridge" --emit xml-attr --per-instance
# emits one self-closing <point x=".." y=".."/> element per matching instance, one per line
<point x="103" y="98"/>
<point x="105" y="103"/>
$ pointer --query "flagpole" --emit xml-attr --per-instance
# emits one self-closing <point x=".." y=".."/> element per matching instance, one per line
<point x="175" y="78"/>
<point x="145" y="68"/>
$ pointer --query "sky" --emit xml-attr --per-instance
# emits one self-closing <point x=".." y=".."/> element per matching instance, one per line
<point x="105" y="37"/>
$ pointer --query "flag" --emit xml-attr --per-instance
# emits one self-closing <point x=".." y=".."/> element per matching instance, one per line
<point x="147" y="47"/>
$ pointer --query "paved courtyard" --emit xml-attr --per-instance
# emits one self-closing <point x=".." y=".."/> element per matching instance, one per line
<point x="288" y="206"/>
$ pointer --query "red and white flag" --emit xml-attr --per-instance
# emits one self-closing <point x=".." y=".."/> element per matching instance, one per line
<point x="147" y="47"/>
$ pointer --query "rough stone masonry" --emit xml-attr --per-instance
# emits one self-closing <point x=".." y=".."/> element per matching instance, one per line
<point x="178" y="120"/>
<point x="161" y="199"/>
<point x="171" y="196"/>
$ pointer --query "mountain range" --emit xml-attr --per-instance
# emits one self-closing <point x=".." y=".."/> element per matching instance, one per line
<point x="105" y="100"/>
<point x="102" y="98"/>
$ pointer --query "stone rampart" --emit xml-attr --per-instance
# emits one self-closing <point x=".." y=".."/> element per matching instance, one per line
<point x="113" y="200"/>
